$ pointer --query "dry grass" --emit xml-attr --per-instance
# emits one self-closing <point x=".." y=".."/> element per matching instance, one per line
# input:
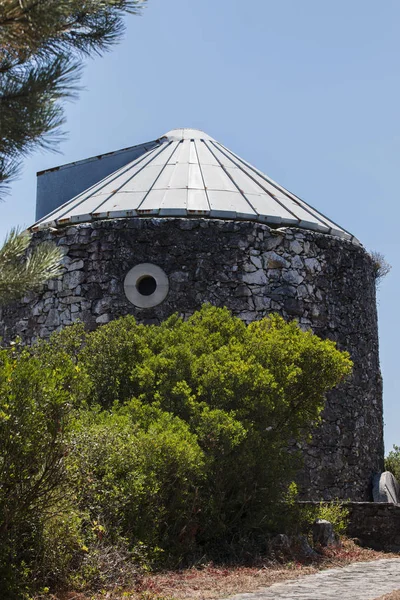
<point x="393" y="596"/>
<point x="211" y="582"/>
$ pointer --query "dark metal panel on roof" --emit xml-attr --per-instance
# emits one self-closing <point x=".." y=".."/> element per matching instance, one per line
<point x="58" y="185"/>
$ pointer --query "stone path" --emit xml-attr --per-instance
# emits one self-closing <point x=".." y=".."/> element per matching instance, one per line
<point x="359" y="581"/>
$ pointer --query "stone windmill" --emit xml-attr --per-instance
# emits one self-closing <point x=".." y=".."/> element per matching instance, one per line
<point x="168" y="225"/>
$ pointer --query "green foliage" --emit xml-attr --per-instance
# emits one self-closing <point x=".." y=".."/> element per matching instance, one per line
<point x="294" y="517"/>
<point x="122" y="346"/>
<point x="41" y="47"/>
<point x="153" y="441"/>
<point x="392" y="462"/>
<point x="336" y="513"/>
<point x="136" y="473"/>
<point x="60" y="545"/>
<point x="47" y="25"/>
<point x="243" y="391"/>
<point x="291" y="516"/>
<point x="36" y="399"/>
<point x="22" y="271"/>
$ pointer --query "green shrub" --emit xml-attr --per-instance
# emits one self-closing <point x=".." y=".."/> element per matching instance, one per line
<point x="151" y="442"/>
<point x="336" y="513"/>
<point x="37" y="395"/>
<point x="244" y="392"/>
<point x="106" y="354"/>
<point x="392" y="462"/>
<point x="136" y="476"/>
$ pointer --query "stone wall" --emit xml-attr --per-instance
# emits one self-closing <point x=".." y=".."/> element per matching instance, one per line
<point x="373" y="524"/>
<point x="326" y="283"/>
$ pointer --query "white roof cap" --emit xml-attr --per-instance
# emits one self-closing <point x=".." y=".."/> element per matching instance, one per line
<point x="189" y="174"/>
<point x="187" y="134"/>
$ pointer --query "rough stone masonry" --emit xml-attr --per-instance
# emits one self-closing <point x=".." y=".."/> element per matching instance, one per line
<point x="326" y="283"/>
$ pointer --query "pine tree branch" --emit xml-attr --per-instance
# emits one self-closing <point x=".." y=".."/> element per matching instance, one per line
<point x="87" y="26"/>
<point x="30" y="111"/>
<point x="40" y="41"/>
<point x="9" y="170"/>
<point x="21" y="270"/>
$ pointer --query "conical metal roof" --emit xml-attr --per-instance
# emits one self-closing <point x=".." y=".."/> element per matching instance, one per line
<point x="189" y="174"/>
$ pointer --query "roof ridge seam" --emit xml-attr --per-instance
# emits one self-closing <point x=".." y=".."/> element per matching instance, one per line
<point x="233" y="181"/>
<point x="161" y="170"/>
<point x="202" y="176"/>
<point x="129" y="178"/>
<point x="302" y="203"/>
<point x="265" y="189"/>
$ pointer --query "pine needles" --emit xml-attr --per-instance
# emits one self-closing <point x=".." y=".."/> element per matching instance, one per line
<point x="22" y="270"/>
<point x="41" y="48"/>
<point x="42" y="43"/>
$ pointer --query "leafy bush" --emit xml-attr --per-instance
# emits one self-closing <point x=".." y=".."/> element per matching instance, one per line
<point x="336" y="513"/>
<point x="392" y="462"/>
<point x="244" y="392"/>
<point x="151" y="441"/>
<point x="37" y="395"/>
<point x="136" y="473"/>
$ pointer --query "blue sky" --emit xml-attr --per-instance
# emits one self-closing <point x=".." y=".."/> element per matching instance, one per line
<point x="307" y="91"/>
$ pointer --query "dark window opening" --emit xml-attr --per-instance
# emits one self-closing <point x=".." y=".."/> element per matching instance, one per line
<point x="146" y="285"/>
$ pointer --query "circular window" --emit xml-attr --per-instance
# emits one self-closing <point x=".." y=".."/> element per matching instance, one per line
<point x="146" y="285"/>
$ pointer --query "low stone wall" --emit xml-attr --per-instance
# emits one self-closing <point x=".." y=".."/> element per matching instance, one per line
<point x="375" y="524"/>
<point x="327" y="284"/>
